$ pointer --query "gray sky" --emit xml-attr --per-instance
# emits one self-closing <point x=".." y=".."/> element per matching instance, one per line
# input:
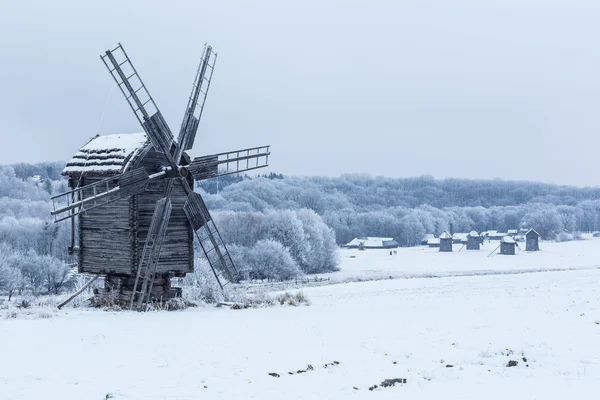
<point x="471" y="89"/>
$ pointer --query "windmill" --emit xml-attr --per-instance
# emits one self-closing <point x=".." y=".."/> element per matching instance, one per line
<point x="133" y="196"/>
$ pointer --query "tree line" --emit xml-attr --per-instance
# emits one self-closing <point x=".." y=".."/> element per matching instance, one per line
<point x="279" y="227"/>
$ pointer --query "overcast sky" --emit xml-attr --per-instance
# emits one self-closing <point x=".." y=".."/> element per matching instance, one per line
<point x="471" y="89"/>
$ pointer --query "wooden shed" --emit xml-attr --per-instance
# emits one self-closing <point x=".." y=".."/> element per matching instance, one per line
<point x="473" y="241"/>
<point x="111" y="238"/>
<point x="532" y="240"/>
<point x="446" y="242"/>
<point x="508" y="245"/>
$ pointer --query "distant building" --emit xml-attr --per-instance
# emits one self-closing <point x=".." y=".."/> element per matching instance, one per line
<point x="532" y="241"/>
<point x="484" y="235"/>
<point x="426" y="238"/>
<point x="496" y="235"/>
<point x="508" y="245"/>
<point x="446" y="242"/>
<point x="473" y="241"/>
<point x="596" y="234"/>
<point x="433" y="242"/>
<point x="372" y="243"/>
<point x="459" y="237"/>
<point x="513" y="232"/>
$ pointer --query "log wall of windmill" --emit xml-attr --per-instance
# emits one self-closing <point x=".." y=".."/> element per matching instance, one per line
<point x="507" y="248"/>
<point x="105" y="239"/>
<point x="446" y="244"/>
<point x="177" y="251"/>
<point x="473" y="242"/>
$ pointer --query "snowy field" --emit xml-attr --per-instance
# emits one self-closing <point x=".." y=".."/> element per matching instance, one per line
<point x="424" y="261"/>
<point x="450" y="337"/>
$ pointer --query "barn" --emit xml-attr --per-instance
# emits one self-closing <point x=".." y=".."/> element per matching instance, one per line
<point x="371" y="243"/>
<point x="111" y="238"/>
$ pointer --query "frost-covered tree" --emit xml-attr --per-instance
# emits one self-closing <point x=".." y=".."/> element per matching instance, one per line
<point x="411" y="231"/>
<point x="61" y="242"/>
<point x="57" y="275"/>
<point x="31" y="269"/>
<point x="11" y="279"/>
<point x="322" y="255"/>
<point x="546" y="222"/>
<point x="269" y="259"/>
<point x="568" y="217"/>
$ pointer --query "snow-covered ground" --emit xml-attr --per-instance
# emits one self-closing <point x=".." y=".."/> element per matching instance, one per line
<point x="450" y="338"/>
<point x="425" y="261"/>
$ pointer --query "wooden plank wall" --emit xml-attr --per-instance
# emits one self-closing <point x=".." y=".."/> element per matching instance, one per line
<point x="105" y="238"/>
<point x="177" y="251"/>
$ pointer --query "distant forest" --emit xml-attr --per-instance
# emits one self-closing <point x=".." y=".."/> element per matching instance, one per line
<point x="296" y="222"/>
<point x="408" y="208"/>
<point x="364" y="192"/>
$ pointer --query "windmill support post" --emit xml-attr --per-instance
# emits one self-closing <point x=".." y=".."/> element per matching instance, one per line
<point x="493" y="251"/>
<point x="77" y="293"/>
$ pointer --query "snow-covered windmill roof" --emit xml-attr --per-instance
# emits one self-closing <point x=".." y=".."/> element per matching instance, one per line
<point x="473" y="234"/>
<point x="106" y="155"/>
<point x="508" y="239"/>
<point x="445" y="235"/>
<point x="532" y="231"/>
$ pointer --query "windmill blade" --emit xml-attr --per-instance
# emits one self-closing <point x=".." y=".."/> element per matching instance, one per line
<point x="147" y="113"/>
<point x="195" y="106"/>
<point x="232" y="162"/>
<point x="69" y="204"/>
<point x="210" y="239"/>
<point x="151" y="252"/>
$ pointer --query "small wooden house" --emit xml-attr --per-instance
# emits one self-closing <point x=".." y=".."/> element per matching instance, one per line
<point x="532" y="240"/>
<point x="446" y="242"/>
<point x="473" y="241"/>
<point x="508" y="245"/>
<point x="112" y="237"/>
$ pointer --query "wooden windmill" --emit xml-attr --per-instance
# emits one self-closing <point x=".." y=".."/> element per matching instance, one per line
<point x="133" y="195"/>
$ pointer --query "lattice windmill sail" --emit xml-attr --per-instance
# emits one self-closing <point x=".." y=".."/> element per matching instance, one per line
<point x="134" y="199"/>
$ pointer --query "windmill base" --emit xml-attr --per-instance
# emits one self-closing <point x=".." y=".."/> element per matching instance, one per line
<point x="117" y="291"/>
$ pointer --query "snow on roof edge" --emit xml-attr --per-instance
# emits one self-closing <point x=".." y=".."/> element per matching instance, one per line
<point x="106" y="154"/>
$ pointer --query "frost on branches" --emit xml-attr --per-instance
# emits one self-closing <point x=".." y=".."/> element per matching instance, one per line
<point x="278" y="245"/>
